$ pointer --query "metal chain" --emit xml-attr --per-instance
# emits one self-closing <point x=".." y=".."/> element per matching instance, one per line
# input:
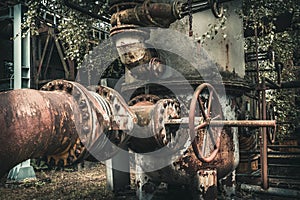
<point x="190" y="18"/>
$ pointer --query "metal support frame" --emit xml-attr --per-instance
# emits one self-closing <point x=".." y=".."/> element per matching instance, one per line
<point x="9" y="14"/>
<point x="118" y="180"/>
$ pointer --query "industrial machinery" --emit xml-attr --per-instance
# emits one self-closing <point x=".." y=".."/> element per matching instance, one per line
<point x="175" y="111"/>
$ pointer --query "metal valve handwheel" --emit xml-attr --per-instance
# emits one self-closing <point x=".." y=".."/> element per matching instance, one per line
<point x="205" y="139"/>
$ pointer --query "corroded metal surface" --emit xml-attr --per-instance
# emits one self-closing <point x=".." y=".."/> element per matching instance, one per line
<point x="65" y="122"/>
<point x="86" y="110"/>
<point x="207" y="183"/>
<point x="146" y="14"/>
<point x="140" y="61"/>
<point x="34" y="123"/>
<point x="150" y="131"/>
<point x="223" y="161"/>
<point x="122" y="118"/>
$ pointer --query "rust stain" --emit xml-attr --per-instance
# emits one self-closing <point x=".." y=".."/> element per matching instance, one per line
<point x="227" y="57"/>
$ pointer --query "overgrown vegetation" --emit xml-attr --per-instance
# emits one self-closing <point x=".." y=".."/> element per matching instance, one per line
<point x="264" y="17"/>
<point x="74" y="28"/>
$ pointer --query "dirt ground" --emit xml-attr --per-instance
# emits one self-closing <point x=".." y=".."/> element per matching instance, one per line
<point x="84" y="183"/>
<point x="87" y="183"/>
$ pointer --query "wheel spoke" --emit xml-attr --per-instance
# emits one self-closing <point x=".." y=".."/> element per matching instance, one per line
<point x="209" y="103"/>
<point x="201" y="103"/>
<point x="201" y="126"/>
<point x="204" y="142"/>
<point x="212" y="137"/>
<point x="216" y="117"/>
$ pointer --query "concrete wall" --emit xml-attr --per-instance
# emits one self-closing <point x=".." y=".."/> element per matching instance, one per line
<point x="227" y="52"/>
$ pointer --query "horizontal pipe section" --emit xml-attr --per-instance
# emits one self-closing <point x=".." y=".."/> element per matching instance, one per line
<point x="34" y="123"/>
<point x="145" y="14"/>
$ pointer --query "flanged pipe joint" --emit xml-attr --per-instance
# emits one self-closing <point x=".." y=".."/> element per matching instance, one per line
<point x="64" y="122"/>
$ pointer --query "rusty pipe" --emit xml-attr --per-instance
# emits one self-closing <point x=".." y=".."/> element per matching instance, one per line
<point x="160" y="14"/>
<point x="34" y="123"/>
<point x="264" y="148"/>
<point x="146" y="14"/>
<point x="149" y="132"/>
<point x="62" y="122"/>
<point x="244" y="123"/>
<point x="141" y="62"/>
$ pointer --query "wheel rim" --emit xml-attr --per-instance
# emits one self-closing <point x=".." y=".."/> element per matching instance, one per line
<point x="209" y="110"/>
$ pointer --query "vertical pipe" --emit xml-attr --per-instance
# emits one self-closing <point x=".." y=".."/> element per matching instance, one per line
<point x="264" y="155"/>
<point x="257" y="71"/>
<point x="17" y="36"/>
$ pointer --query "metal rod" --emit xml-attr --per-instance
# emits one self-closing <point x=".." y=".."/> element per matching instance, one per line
<point x="42" y="60"/>
<point x="61" y="55"/>
<point x="286" y="85"/>
<point x="198" y="6"/>
<point x="48" y="60"/>
<point x="85" y="11"/>
<point x="245" y="123"/>
<point x="271" y="191"/>
<point x="257" y="70"/>
<point x="272" y="83"/>
<point x="282" y="165"/>
<point x="264" y="150"/>
<point x="227" y="123"/>
<point x="283" y="146"/>
<point x="294" y="178"/>
<point x="271" y="153"/>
